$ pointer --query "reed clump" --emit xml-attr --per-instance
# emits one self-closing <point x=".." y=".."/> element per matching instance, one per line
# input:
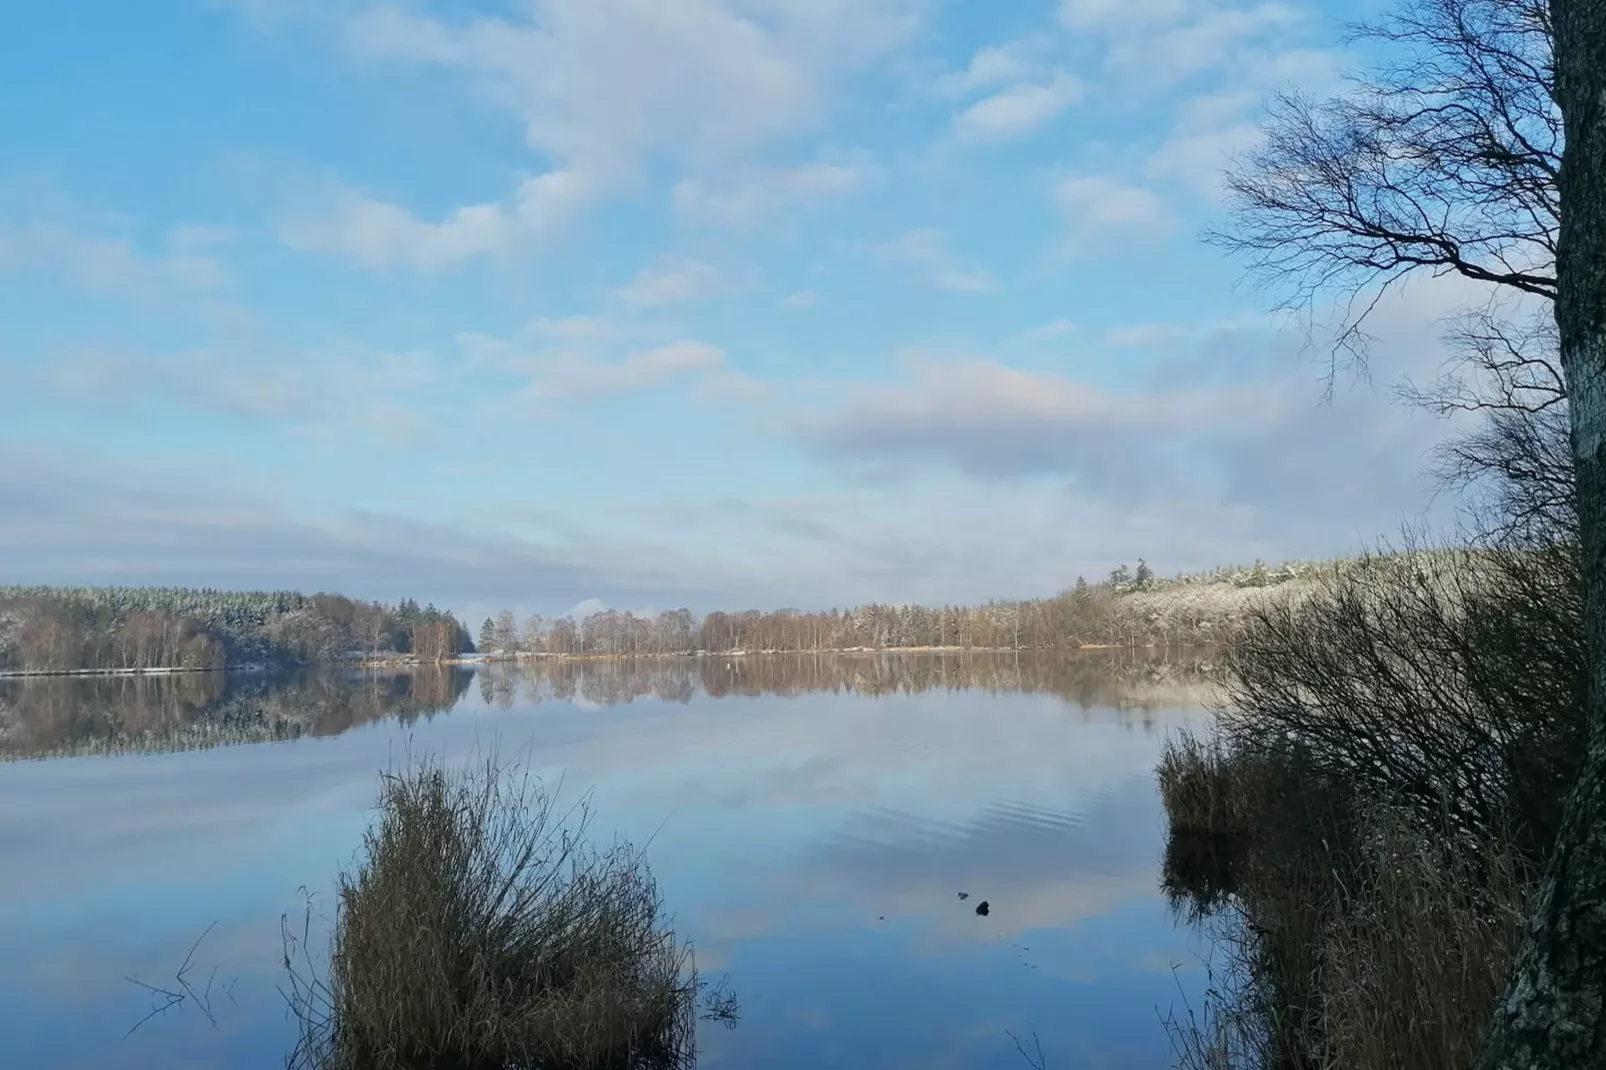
<point x="481" y="931"/>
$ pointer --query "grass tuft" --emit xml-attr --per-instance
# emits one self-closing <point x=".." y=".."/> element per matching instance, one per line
<point x="481" y="932"/>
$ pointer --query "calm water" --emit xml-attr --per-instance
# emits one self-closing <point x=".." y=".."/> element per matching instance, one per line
<point x="812" y="823"/>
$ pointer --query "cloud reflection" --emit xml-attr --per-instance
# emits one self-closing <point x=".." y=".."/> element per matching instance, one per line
<point x="811" y="829"/>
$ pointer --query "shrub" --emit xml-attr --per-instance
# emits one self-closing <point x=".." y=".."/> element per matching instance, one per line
<point x="1450" y="683"/>
<point x="1364" y="828"/>
<point x="480" y="932"/>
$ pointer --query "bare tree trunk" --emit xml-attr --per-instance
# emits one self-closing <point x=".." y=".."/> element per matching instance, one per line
<point x="1553" y="1015"/>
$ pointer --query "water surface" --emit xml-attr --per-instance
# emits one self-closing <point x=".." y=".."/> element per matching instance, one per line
<point x="811" y="821"/>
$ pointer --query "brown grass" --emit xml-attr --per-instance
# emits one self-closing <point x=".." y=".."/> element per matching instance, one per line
<point x="480" y="932"/>
<point x="1346" y="934"/>
<point x="1204" y="792"/>
<point x="1415" y="964"/>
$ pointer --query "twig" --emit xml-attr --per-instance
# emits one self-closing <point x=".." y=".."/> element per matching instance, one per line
<point x="1035" y="1058"/>
<point x="184" y="991"/>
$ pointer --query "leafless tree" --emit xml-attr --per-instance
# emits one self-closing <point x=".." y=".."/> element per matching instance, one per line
<point x="1444" y="159"/>
<point x="1518" y="455"/>
<point x="1479" y="148"/>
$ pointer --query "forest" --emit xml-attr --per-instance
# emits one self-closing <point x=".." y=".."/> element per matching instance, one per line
<point x="90" y="629"/>
<point x="1132" y="607"/>
<point x="129" y="629"/>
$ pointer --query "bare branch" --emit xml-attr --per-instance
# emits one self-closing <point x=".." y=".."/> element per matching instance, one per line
<point x="1444" y="158"/>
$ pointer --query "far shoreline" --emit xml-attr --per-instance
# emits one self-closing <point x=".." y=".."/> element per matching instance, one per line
<point x="155" y="670"/>
<point x="409" y="662"/>
<point x="496" y="659"/>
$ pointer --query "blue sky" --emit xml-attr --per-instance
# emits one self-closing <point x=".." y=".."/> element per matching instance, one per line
<point x="665" y="302"/>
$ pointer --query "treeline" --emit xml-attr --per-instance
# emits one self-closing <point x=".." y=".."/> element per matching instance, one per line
<point x="69" y="629"/>
<point x="59" y="629"/>
<point x="1130" y="608"/>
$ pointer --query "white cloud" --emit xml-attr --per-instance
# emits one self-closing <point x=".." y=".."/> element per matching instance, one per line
<point x="1166" y="41"/>
<point x="1053" y="329"/>
<point x="992" y="66"/>
<point x="585" y="608"/>
<point x="576" y="377"/>
<point x="109" y="266"/>
<point x="1212" y="39"/>
<point x="1018" y="110"/>
<point x="956" y="400"/>
<point x="379" y="234"/>
<point x="604" y="86"/>
<point x="575" y="328"/>
<point x="1198" y="159"/>
<point x="801" y="299"/>
<point x="67" y="517"/>
<point x="330" y="395"/>
<point x="187" y="237"/>
<point x="737" y="202"/>
<point x="585" y="358"/>
<point x="1144" y="336"/>
<point x="197" y="379"/>
<point x="323" y="394"/>
<point x="1096" y="208"/>
<point x="1121" y="14"/>
<point x="934" y="261"/>
<point x="603" y="83"/>
<point x="671" y="280"/>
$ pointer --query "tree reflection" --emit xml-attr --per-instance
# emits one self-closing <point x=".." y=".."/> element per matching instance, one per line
<point x="46" y="717"/>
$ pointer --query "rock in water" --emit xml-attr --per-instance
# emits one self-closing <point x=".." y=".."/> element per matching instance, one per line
<point x="964" y="895"/>
<point x="982" y="908"/>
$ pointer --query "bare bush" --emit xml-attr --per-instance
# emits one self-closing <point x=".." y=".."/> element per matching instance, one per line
<point x="1365" y="826"/>
<point x="1447" y="680"/>
<point x="481" y="932"/>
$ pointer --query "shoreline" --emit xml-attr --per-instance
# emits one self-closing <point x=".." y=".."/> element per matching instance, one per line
<point x="497" y="659"/>
<point x="409" y="662"/>
<point x="158" y="670"/>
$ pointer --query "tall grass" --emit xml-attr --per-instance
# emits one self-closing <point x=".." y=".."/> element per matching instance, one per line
<point x="1416" y="959"/>
<point x="1345" y="934"/>
<point x="481" y="932"/>
<point x="1400" y="968"/>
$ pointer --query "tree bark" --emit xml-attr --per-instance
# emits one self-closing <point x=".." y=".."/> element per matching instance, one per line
<point x="1553" y="1013"/>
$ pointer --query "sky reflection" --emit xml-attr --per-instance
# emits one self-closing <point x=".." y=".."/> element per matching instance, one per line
<point x="812" y="846"/>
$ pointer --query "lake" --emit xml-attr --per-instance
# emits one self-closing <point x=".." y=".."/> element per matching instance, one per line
<point x="812" y="822"/>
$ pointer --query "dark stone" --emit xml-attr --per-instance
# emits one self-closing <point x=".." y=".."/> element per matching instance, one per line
<point x="964" y="895"/>
<point x="982" y="908"/>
